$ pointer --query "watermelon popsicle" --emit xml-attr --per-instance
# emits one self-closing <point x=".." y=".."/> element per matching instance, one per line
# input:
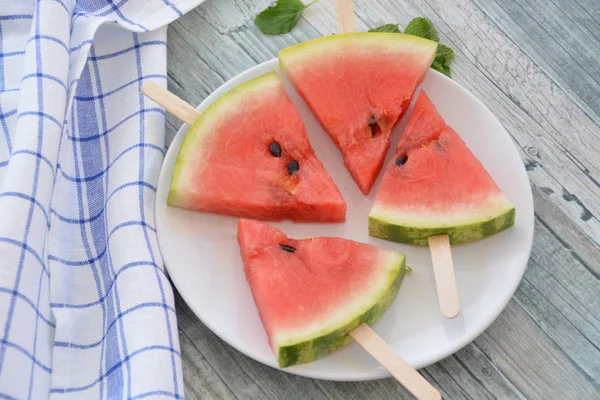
<point x="315" y="295"/>
<point x="312" y="293"/>
<point x="248" y="155"/>
<point x="436" y="191"/>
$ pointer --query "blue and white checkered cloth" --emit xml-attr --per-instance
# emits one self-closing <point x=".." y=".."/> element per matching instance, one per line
<point x="86" y="310"/>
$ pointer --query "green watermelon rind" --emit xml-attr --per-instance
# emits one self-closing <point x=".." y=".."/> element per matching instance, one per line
<point x="302" y="52"/>
<point x="382" y="227"/>
<point x="195" y="135"/>
<point x="318" y="346"/>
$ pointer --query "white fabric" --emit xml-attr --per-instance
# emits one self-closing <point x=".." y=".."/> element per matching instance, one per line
<point x="86" y="310"/>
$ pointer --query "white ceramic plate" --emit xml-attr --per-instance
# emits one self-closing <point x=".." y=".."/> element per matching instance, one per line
<point x="202" y="254"/>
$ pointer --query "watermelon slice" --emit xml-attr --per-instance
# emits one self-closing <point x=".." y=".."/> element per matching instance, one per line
<point x="311" y="293"/>
<point x="359" y="85"/>
<point x="435" y="185"/>
<point x="248" y="155"/>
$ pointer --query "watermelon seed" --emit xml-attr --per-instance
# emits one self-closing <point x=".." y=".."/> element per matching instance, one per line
<point x="401" y="160"/>
<point x="375" y="129"/>
<point x="287" y="248"/>
<point x="275" y="149"/>
<point x="293" y="167"/>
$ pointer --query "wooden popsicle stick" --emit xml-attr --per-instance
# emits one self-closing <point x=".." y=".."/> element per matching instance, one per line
<point x="443" y="270"/>
<point x="170" y="102"/>
<point x="345" y="16"/>
<point x="400" y="369"/>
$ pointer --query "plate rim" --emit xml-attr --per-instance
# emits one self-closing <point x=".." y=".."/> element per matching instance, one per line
<point x="488" y="318"/>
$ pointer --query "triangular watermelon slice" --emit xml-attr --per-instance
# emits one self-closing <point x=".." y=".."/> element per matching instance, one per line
<point x="311" y="293"/>
<point x="359" y="85"/>
<point x="435" y="185"/>
<point x="248" y="155"/>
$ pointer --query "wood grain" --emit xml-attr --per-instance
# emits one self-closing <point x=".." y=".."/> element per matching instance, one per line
<point x="443" y="271"/>
<point x="344" y="10"/>
<point x="535" y="64"/>
<point x="408" y="377"/>
<point x="564" y="41"/>
<point x="170" y="102"/>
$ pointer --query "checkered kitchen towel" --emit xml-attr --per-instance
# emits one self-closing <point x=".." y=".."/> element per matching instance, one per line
<point x="86" y="310"/>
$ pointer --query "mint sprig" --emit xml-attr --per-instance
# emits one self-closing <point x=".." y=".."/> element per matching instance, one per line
<point x="423" y="27"/>
<point x="443" y="59"/>
<point x="280" y="18"/>
<point x="392" y="28"/>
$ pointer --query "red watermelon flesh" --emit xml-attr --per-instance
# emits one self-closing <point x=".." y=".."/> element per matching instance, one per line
<point x="424" y="126"/>
<point x="310" y="293"/>
<point x="358" y="86"/>
<point x="436" y="185"/>
<point x="226" y="164"/>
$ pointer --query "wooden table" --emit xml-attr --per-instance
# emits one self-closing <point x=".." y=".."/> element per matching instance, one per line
<point x="536" y="65"/>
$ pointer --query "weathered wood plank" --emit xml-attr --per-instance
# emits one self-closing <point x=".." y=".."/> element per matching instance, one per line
<point x="581" y="246"/>
<point x="537" y="366"/>
<point x="569" y="270"/>
<point x="449" y="374"/>
<point x="378" y="390"/>
<point x="545" y="344"/>
<point x="561" y="37"/>
<point x="589" y="7"/>
<point x="487" y="373"/>
<point x="200" y="380"/>
<point x="574" y="332"/>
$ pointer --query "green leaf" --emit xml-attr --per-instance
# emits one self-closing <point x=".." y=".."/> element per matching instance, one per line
<point x="443" y="59"/>
<point x="280" y="18"/>
<point x="422" y="27"/>
<point x="393" y="28"/>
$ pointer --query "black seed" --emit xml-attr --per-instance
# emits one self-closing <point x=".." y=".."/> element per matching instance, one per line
<point x="375" y="130"/>
<point x="287" y="248"/>
<point x="275" y="149"/>
<point x="293" y="167"/>
<point x="401" y="160"/>
<point x="374" y="125"/>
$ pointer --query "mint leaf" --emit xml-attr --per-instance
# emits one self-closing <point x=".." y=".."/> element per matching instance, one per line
<point x="422" y="27"/>
<point x="393" y="28"/>
<point x="443" y="59"/>
<point x="280" y="18"/>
